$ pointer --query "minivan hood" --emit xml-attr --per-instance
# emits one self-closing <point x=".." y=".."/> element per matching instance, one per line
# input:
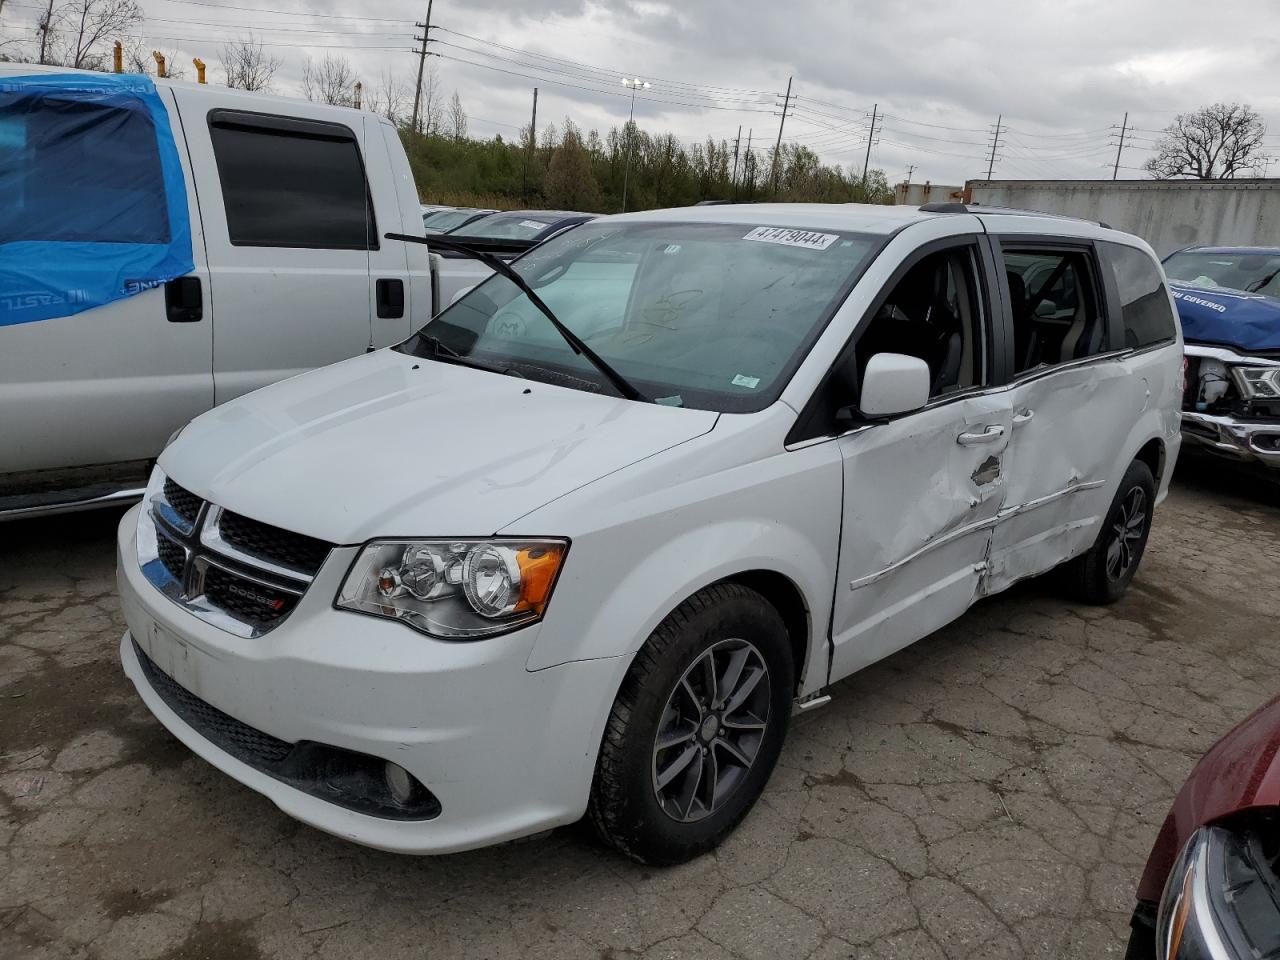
<point x="393" y="445"/>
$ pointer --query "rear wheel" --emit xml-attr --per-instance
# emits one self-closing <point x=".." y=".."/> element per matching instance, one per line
<point x="1103" y="574"/>
<point x="696" y="728"/>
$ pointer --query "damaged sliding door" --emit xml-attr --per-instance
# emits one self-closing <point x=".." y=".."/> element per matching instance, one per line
<point x="922" y="494"/>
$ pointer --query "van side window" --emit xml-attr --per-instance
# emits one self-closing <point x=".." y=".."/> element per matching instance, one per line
<point x="79" y="172"/>
<point x="935" y="313"/>
<point x="1054" y="303"/>
<point x="1144" y="301"/>
<point x="300" y="184"/>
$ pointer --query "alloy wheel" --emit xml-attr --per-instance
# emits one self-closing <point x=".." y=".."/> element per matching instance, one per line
<point x="711" y="730"/>
<point x="1127" y="531"/>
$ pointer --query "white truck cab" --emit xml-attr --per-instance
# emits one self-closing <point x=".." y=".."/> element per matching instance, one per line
<point x="583" y="542"/>
<point x="288" y="204"/>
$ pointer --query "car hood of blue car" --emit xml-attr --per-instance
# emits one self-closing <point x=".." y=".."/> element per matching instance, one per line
<point x="1247" y="322"/>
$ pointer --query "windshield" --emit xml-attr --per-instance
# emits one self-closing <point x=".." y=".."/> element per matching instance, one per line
<point x="1244" y="272"/>
<point x="713" y="316"/>
<point x="446" y="220"/>
<point x="508" y="226"/>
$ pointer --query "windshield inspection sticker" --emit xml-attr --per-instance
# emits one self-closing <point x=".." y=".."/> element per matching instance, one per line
<point x="743" y="381"/>
<point x="793" y="238"/>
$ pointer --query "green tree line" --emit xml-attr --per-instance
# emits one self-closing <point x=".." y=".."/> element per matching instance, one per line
<point x="565" y="169"/>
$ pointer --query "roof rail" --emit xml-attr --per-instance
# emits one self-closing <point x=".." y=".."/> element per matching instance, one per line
<point x="1007" y="211"/>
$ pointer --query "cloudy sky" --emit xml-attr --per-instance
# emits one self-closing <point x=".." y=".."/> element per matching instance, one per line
<point x="1062" y="73"/>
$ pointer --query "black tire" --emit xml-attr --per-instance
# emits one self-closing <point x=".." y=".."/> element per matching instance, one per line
<point x="1102" y="575"/>
<point x="723" y="624"/>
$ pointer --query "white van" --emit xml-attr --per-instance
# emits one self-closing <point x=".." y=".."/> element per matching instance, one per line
<point x="585" y="540"/>
<point x="288" y="204"/>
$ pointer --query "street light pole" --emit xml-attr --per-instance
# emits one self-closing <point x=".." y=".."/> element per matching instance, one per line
<point x="634" y="84"/>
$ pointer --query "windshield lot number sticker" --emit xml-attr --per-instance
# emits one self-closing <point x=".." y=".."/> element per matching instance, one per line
<point x="740" y="380"/>
<point x="792" y="238"/>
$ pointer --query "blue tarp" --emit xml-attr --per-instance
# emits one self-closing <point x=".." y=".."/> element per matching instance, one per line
<point x="93" y="206"/>
<point x="1245" y="321"/>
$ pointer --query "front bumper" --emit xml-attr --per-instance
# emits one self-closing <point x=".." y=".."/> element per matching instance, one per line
<point x="506" y="751"/>
<point x="1242" y="440"/>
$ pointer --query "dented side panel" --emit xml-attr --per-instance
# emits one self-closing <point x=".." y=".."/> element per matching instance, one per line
<point x="919" y="509"/>
<point x="1071" y="427"/>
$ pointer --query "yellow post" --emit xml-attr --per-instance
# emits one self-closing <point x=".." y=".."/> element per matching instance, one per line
<point x="117" y="58"/>
<point x="199" y="69"/>
<point x="159" y="63"/>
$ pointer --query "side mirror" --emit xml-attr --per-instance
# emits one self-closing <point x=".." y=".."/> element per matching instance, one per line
<point x="894" y="383"/>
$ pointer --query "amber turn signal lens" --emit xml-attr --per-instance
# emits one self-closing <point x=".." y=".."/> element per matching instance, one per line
<point x="538" y="569"/>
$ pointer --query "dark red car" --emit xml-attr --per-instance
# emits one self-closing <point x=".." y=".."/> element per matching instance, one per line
<point x="1211" y="888"/>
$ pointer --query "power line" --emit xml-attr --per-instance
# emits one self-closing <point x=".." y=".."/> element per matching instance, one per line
<point x="595" y="89"/>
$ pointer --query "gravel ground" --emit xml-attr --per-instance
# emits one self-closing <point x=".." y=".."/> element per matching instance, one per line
<point x="990" y="792"/>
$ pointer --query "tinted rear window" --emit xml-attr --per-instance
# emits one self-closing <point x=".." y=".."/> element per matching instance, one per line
<point x="1147" y="313"/>
<point x="301" y="185"/>
<point x="81" y="172"/>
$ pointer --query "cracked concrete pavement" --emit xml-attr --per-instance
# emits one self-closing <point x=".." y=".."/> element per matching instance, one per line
<point x="990" y="792"/>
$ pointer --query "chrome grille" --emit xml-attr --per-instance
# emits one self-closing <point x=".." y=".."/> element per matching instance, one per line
<point x="239" y="574"/>
<point x="271" y="543"/>
<point x="185" y="503"/>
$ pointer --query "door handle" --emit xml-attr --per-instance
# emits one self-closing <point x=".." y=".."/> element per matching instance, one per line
<point x="1024" y="417"/>
<point x="390" y="299"/>
<point x="988" y="435"/>
<point x="183" y="300"/>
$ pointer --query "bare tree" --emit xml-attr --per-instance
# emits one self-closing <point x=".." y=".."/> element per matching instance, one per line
<point x="47" y="28"/>
<point x="247" y="65"/>
<point x="391" y="97"/>
<point x="85" y="25"/>
<point x="329" y="81"/>
<point x="457" y="117"/>
<point x="1216" y="142"/>
<point x="431" y="108"/>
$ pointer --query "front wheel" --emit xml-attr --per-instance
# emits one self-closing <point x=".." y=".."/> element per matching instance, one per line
<point x="1103" y="574"/>
<point x="696" y="727"/>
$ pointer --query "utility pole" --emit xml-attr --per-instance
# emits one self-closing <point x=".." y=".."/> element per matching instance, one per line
<point x="533" y="137"/>
<point x="995" y="142"/>
<point x="906" y="184"/>
<point x="422" y="62"/>
<point x="745" y="155"/>
<point x="634" y="84"/>
<point x="1124" y="128"/>
<point x="737" y="141"/>
<point x="786" y="102"/>
<point x="871" y="136"/>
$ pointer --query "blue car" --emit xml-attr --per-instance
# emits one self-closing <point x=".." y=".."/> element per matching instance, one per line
<point x="1229" y="302"/>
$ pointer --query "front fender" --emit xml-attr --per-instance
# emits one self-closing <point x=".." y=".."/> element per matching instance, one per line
<point x="619" y="620"/>
<point x="646" y="538"/>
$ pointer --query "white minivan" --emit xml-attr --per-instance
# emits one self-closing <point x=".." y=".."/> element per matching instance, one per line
<point x="586" y="540"/>
<point x="285" y="203"/>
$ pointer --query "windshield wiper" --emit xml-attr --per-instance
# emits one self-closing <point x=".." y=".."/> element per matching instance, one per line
<point x="1259" y="284"/>
<point x="500" y="266"/>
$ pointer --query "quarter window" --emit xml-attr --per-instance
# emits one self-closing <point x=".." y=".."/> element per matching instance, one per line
<point x="1054" y="308"/>
<point x="1144" y="300"/>
<point x="301" y="184"/>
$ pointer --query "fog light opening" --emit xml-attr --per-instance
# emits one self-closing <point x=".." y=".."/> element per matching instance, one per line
<point x="400" y="783"/>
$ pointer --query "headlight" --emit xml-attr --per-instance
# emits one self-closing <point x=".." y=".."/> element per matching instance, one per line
<point x="1220" y="901"/>
<point x="455" y="589"/>
<point x="1258" y="383"/>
